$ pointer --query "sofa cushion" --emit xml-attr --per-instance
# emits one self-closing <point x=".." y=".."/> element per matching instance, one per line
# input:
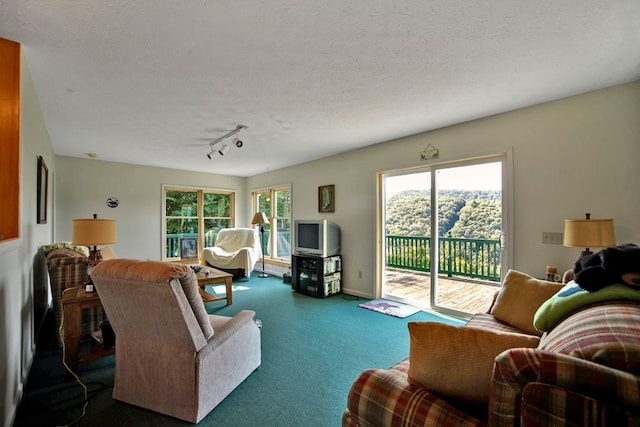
<point x="608" y="334"/>
<point x="457" y="361"/>
<point x="520" y="297"/>
<point x="487" y="321"/>
<point x="384" y="397"/>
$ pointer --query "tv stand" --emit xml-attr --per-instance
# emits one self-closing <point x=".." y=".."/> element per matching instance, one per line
<point x="315" y="275"/>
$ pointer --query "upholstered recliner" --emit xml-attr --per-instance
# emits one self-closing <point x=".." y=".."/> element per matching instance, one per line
<point x="236" y="250"/>
<point x="171" y="356"/>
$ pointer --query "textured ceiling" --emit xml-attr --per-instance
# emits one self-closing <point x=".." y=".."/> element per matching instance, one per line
<point x="152" y="81"/>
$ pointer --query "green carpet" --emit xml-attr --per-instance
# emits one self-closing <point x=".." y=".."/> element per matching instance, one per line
<point x="312" y="350"/>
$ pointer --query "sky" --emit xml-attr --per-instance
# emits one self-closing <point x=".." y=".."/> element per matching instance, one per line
<point x="486" y="176"/>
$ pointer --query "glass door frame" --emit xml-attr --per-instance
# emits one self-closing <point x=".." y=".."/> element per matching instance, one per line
<point x="506" y="260"/>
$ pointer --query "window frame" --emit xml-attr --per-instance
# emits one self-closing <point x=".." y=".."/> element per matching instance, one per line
<point x="201" y="191"/>
<point x="273" y="207"/>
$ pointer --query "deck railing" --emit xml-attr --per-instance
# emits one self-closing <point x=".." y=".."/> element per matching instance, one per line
<point x="173" y="243"/>
<point x="476" y="258"/>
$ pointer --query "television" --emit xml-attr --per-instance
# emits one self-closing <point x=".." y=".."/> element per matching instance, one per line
<point x="316" y="237"/>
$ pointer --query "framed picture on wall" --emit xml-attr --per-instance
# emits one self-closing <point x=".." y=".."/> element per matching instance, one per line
<point x="188" y="248"/>
<point x="43" y="185"/>
<point x="326" y="198"/>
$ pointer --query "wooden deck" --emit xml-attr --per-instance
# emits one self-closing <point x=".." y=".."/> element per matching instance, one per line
<point x="462" y="294"/>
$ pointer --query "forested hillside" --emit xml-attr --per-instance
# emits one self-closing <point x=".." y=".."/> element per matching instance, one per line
<point x="461" y="213"/>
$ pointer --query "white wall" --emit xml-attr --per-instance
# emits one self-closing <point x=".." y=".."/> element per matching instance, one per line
<point x="570" y="157"/>
<point x="21" y="264"/>
<point x="84" y="185"/>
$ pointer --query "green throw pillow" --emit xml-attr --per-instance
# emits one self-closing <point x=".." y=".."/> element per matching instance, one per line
<point x="571" y="297"/>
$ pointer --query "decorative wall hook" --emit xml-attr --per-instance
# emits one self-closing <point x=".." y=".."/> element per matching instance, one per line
<point x="429" y="153"/>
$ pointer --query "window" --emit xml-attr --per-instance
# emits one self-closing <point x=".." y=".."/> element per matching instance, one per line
<point x="198" y="214"/>
<point x="276" y="204"/>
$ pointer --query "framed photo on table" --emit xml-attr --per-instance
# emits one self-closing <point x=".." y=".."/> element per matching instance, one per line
<point x="189" y="248"/>
<point x="327" y="198"/>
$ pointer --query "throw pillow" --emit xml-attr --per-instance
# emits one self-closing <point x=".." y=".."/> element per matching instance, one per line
<point x="520" y="297"/>
<point x="457" y="361"/>
<point x="572" y="297"/>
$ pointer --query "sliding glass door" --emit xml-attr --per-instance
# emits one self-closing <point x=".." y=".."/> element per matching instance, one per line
<point x="442" y="229"/>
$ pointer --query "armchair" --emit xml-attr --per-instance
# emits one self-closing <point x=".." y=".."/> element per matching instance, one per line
<point x="67" y="266"/>
<point x="171" y="356"/>
<point x="236" y="250"/>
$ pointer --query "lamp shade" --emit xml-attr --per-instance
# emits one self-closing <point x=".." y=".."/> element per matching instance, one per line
<point x="589" y="233"/>
<point x="94" y="232"/>
<point x="260" y="218"/>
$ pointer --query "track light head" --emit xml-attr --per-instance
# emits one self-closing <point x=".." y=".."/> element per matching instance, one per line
<point x="225" y="147"/>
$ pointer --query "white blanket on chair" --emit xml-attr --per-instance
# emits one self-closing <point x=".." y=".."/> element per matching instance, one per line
<point x="234" y="248"/>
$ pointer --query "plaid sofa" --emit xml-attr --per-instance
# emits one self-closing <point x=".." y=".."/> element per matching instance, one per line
<point x="584" y="372"/>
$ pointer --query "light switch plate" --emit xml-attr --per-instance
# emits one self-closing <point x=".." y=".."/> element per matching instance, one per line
<point x="551" y="237"/>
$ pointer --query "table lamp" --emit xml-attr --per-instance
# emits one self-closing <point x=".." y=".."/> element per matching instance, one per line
<point x="259" y="219"/>
<point x="94" y="232"/>
<point x="589" y="233"/>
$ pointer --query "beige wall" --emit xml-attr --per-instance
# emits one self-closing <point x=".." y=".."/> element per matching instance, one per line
<point x="570" y="157"/>
<point x="84" y="185"/>
<point x="21" y="264"/>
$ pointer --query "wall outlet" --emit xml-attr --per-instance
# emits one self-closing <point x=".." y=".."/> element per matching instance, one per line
<point x="550" y="237"/>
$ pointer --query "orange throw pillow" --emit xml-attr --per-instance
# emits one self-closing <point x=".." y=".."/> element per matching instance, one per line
<point x="520" y="297"/>
<point x="457" y="361"/>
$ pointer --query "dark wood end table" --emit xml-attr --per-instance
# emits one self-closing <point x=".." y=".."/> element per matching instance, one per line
<point x="74" y="300"/>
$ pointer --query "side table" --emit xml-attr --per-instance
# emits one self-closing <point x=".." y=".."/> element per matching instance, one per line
<point x="215" y="276"/>
<point x="74" y="300"/>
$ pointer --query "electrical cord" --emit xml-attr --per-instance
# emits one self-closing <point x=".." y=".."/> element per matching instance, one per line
<point x="64" y="363"/>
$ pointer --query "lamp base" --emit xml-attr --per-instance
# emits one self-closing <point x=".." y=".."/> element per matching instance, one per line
<point x="95" y="256"/>
<point x="263" y="275"/>
<point x="585" y="252"/>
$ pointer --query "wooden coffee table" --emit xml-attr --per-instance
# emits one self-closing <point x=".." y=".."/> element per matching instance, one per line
<point x="215" y="276"/>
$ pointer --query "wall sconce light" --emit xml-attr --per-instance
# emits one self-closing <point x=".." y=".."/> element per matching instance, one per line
<point x="225" y="147"/>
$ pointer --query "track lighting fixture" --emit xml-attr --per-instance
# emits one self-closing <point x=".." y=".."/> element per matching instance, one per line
<point x="225" y="147"/>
